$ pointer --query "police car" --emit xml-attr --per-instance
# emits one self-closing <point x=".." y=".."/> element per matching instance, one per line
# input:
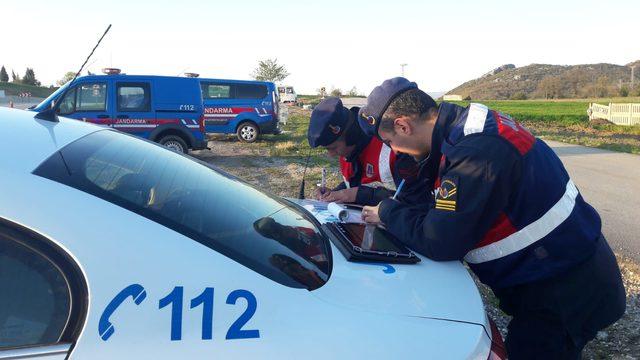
<point x="164" y="109"/>
<point x="114" y="247"/>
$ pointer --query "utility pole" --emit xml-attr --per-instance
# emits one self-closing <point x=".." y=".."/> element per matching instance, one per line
<point x="403" y="65"/>
<point x="633" y="67"/>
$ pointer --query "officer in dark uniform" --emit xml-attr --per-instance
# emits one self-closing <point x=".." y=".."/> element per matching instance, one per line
<point x="505" y="204"/>
<point x="371" y="171"/>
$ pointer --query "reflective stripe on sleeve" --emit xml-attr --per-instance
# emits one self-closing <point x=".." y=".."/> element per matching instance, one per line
<point x="530" y="233"/>
<point x="384" y="167"/>
<point x="475" y="119"/>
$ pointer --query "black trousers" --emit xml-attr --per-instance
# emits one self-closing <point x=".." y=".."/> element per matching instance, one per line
<point x="555" y="318"/>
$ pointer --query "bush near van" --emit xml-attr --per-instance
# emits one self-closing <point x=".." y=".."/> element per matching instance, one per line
<point x="244" y="108"/>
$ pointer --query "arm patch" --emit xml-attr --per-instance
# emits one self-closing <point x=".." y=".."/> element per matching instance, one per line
<point x="447" y="194"/>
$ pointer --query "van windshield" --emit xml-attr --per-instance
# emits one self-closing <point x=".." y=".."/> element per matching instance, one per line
<point x="47" y="102"/>
<point x="257" y="230"/>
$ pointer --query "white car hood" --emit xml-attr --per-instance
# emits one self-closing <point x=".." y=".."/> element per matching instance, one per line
<point x="440" y="290"/>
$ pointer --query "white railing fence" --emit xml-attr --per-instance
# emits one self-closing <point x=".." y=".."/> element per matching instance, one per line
<point x="619" y="114"/>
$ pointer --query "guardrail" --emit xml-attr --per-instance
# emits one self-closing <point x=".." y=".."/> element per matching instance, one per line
<point x="619" y="114"/>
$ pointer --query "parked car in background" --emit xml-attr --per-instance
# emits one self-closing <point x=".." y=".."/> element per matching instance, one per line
<point x="244" y="108"/>
<point x="164" y="109"/>
<point x="287" y="94"/>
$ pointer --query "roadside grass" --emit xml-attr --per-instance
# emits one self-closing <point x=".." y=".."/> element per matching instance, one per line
<point x="36" y="91"/>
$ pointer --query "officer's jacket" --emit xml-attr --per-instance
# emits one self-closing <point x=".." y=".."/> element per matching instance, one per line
<point x="377" y="171"/>
<point x="503" y="202"/>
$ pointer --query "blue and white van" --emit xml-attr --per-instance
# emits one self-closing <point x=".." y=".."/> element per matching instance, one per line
<point x="164" y="109"/>
<point x="244" y="108"/>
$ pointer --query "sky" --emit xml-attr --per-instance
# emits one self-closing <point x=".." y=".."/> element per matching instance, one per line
<point x="335" y="44"/>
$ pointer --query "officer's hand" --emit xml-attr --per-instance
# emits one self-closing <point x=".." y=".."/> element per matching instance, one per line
<point x="341" y="196"/>
<point x="370" y="214"/>
<point x="318" y="195"/>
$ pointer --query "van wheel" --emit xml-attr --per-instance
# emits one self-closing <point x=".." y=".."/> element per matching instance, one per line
<point x="248" y="132"/>
<point x="174" y="143"/>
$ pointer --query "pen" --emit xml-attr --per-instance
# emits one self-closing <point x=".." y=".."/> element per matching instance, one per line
<point x="398" y="189"/>
<point x="323" y="184"/>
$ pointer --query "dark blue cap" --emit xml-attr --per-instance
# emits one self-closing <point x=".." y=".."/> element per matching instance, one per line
<point x="378" y="101"/>
<point x="329" y="120"/>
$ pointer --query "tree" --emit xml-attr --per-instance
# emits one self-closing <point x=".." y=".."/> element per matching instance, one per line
<point x="601" y="87"/>
<point x="68" y="76"/>
<point x="29" y="78"/>
<point x="336" y="92"/>
<point x="353" y="92"/>
<point x="518" y="95"/>
<point x="624" y="91"/>
<point x="15" y="78"/>
<point x="4" y="77"/>
<point x="575" y="78"/>
<point x="550" y="87"/>
<point x="270" y="70"/>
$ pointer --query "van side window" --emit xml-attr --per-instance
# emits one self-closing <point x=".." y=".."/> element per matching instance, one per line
<point x="92" y="97"/>
<point x="216" y="91"/>
<point x="35" y="304"/>
<point x="250" y="91"/>
<point x="133" y="97"/>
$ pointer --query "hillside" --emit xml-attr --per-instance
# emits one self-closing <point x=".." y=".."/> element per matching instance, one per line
<point x="12" y="89"/>
<point x="550" y="81"/>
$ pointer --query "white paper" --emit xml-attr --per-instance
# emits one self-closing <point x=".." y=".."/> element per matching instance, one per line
<point x="320" y="210"/>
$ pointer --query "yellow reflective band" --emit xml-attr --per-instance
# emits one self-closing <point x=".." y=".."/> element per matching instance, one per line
<point x="446" y="202"/>
<point x="445" y="207"/>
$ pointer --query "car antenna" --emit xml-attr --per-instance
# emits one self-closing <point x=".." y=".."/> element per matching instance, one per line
<point x="49" y="114"/>
<point x="304" y="173"/>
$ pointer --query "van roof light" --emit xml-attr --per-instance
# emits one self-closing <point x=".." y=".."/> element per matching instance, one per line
<point x="111" y="71"/>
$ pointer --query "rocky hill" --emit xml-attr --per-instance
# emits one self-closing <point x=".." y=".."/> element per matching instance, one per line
<point x="551" y="81"/>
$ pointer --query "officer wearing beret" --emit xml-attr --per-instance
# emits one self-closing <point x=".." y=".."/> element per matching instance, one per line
<point x="503" y="203"/>
<point x="369" y="168"/>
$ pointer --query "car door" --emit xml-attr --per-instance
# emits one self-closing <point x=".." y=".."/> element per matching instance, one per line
<point x="88" y="101"/>
<point x="134" y="112"/>
<point x="44" y="298"/>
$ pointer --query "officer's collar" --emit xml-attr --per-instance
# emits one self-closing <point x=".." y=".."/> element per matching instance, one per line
<point x="447" y="113"/>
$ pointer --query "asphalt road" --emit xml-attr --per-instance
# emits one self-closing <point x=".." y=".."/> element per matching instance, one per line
<point x="609" y="181"/>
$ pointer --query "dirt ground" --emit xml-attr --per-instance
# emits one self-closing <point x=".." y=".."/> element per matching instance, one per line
<point x="281" y="175"/>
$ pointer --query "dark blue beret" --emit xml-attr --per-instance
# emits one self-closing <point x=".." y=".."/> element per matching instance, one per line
<point x="378" y="101"/>
<point x="329" y="120"/>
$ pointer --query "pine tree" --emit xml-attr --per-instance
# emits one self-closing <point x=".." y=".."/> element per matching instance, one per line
<point x="15" y="78"/>
<point x="4" y="77"/>
<point x="29" y="78"/>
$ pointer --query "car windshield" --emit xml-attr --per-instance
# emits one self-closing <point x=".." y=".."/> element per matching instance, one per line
<point x="260" y="231"/>
<point x="46" y="102"/>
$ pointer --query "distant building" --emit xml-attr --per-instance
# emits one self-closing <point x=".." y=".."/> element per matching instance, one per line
<point x="452" y="97"/>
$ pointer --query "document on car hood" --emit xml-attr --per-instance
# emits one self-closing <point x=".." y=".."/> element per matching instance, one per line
<point x="326" y="212"/>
